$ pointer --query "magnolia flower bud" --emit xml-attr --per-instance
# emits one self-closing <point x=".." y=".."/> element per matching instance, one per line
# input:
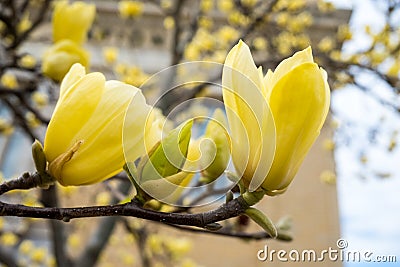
<point x="83" y="142"/>
<point x="274" y="119"/>
<point x="160" y="172"/>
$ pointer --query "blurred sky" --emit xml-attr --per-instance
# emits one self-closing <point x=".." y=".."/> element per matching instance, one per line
<point x="369" y="205"/>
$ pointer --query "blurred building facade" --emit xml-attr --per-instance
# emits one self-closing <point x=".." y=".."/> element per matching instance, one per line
<point x="310" y="203"/>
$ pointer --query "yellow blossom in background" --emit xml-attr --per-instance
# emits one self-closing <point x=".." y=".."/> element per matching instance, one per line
<point x="205" y="40"/>
<point x="74" y="241"/>
<point x="344" y="33"/>
<point x="27" y="61"/>
<point x="205" y="22"/>
<point x="32" y="120"/>
<point x="169" y="22"/>
<point x="133" y="75"/>
<point x="130" y="9"/>
<point x="218" y="56"/>
<point x="335" y="55"/>
<point x="40" y="99"/>
<point x="192" y="52"/>
<point x="128" y="259"/>
<point x="72" y="21"/>
<point x="24" y="24"/>
<point x="51" y="261"/>
<point x="237" y="18"/>
<point x="8" y="239"/>
<point x="225" y="5"/>
<point x="325" y="6"/>
<point x="326" y="44"/>
<point x="85" y="130"/>
<point x="9" y="80"/>
<point x="394" y="69"/>
<point x="295" y="5"/>
<point x="103" y="198"/>
<point x="38" y="255"/>
<point x="260" y="43"/>
<point x="110" y="54"/>
<point x="328" y="144"/>
<point x="282" y="19"/>
<point x="178" y="247"/>
<point x="328" y="177"/>
<point x="154" y="243"/>
<point x="227" y="34"/>
<point x="26" y="247"/>
<point x="298" y="97"/>
<point x="206" y="5"/>
<point x="188" y="263"/>
<point x="121" y="68"/>
<point x="61" y="56"/>
<point x="363" y="159"/>
<point x="249" y="3"/>
<point x="166" y="4"/>
<point x="300" y="22"/>
<point x="5" y="127"/>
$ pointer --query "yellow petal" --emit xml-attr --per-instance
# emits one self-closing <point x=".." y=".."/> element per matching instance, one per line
<point x="102" y="153"/>
<point x="71" y="113"/>
<point x="72" y="21"/>
<point x="76" y="72"/>
<point x="248" y="115"/>
<point x="304" y="56"/>
<point x="299" y="102"/>
<point x="59" y="58"/>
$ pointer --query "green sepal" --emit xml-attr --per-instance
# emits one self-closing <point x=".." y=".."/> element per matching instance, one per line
<point x="131" y="171"/>
<point x="167" y="157"/>
<point x="39" y="158"/>
<point x="262" y="220"/>
<point x="218" y="147"/>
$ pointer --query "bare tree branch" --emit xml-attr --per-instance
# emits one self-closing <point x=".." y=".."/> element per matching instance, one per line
<point x="131" y="209"/>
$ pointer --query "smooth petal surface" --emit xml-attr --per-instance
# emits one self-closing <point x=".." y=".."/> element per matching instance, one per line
<point x="76" y="72"/>
<point x="299" y="102"/>
<point x="72" y="21"/>
<point x="72" y="113"/>
<point x="101" y="155"/>
<point x="248" y="116"/>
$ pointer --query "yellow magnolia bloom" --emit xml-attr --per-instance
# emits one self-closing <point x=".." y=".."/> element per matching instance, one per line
<point x="282" y="111"/>
<point x="72" y="21"/>
<point x="83" y="142"/>
<point x="59" y="58"/>
<point x="128" y="8"/>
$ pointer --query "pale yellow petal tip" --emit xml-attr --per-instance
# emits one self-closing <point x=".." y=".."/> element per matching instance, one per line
<point x="306" y="53"/>
<point x="77" y="69"/>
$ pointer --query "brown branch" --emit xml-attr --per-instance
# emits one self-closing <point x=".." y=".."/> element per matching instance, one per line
<point x="36" y="22"/>
<point x="24" y="182"/>
<point x="227" y="233"/>
<point x="140" y="235"/>
<point x="101" y="236"/>
<point x="176" y="54"/>
<point x="20" y="118"/>
<point x="131" y="209"/>
<point x="49" y="198"/>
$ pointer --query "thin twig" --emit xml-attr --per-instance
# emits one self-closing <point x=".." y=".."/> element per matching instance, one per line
<point x="227" y="233"/>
